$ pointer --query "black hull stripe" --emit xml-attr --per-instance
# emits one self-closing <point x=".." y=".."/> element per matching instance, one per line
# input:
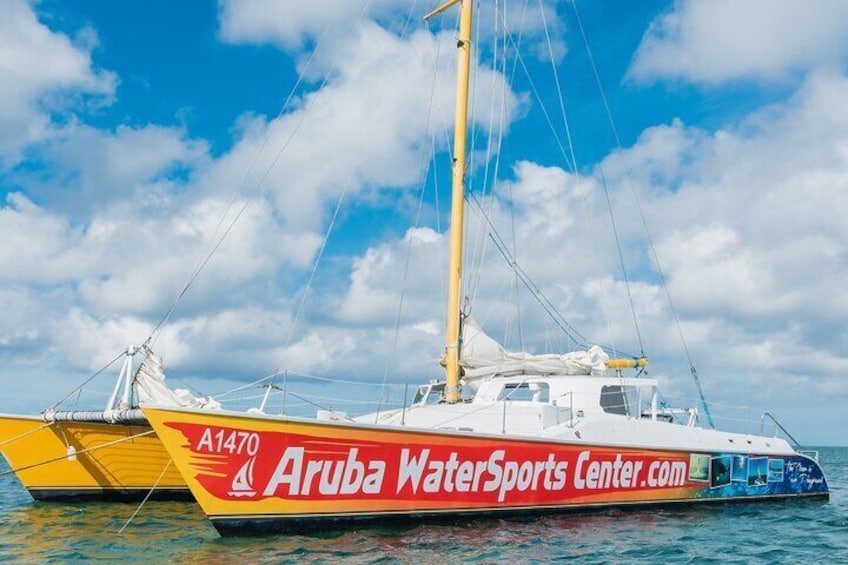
<point x="112" y="494"/>
<point x="263" y="524"/>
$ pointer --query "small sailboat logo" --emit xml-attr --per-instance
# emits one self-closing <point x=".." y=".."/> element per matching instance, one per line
<point x="243" y="482"/>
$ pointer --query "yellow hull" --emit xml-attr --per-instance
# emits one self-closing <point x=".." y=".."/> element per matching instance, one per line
<point x="65" y="461"/>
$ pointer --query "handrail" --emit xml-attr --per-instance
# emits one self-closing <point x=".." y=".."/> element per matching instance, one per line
<point x="570" y="395"/>
<point x="779" y="425"/>
<point x="811" y="453"/>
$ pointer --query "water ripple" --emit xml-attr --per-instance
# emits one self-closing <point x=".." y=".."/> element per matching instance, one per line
<point x="792" y="531"/>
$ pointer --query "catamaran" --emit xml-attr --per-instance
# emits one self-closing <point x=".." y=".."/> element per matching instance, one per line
<point x="502" y="434"/>
<point x="105" y="455"/>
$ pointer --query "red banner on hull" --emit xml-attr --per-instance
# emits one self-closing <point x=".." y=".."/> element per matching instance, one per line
<point x="243" y="465"/>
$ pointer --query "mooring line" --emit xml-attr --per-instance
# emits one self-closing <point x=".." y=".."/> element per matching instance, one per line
<point x="143" y="502"/>
<point x="95" y="448"/>
<point x="25" y="434"/>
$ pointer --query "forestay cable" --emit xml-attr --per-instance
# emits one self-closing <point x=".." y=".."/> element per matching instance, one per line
<point x="638" y="200"/>
<point x="204" y="260"/>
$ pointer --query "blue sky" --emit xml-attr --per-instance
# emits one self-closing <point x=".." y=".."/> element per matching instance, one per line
<point x="125" y="131"/>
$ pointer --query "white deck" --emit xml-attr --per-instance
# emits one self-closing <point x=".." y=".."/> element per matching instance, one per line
<point x="570" y="409"/>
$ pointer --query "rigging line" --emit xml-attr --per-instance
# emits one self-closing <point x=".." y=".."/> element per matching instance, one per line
<point x="494" y="302"/>
<point x="307" y="289"/>
<point x="318" y="257"/>
<point x="577" y="175"/>
<point x="88" y="380"/>
<point x="151" y="339"/>
<point x="515" y="254"/>
<point x="402" y="295"/>
<point x="327" y="408"/>
<point x="422" y="191"/>
<point x="203" y="260"/>
<point x="542" y="106"/>
<point x="535" y="290"/>
<point x="638" y="200"/>
<point x="88" y="450"/>
<point x="409" y="16"/>
<point x="621" y="257"/>
<point x="515" y="275"/>
<point x="25" y="434"/>
<point x="513" y="264"/>
<point x="478" y="248"/>
<point x="146" y="498"/>
<point x="433" y="164"/>
<point x="546" y="304"/>
<point x="543" y="301"/>
<point x="554" y="133"/>
<point x="252" y="195"/>
<point x="508" y="82"/>
<point x="445" y="126"/>
<point x="558" y="88"/>
<point x="254" y="384"/>
<point x="336" y="399"/>
<point x="341" y="381"/>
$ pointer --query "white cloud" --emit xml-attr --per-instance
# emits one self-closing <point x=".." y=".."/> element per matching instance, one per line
<point x="131" y="209"/>
<point x="748" y="224"/>
<point x="32" y="240"/>
<point x="371" y="126"/>
<point x="295" y="26"/>
<point x="374" y="294"/>
<point x="290" y="25"/>
<point x="86" y="169"/>
<point x="134" y="259"/>
<point x="724" y="40"/>
<point x="36" y="65"/>
<point x="751" y="237"/>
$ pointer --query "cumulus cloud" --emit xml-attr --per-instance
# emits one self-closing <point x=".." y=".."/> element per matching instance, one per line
<point x="135" y="259"/>
<point x="296" y="26"/>
<point x="131" y="209"/>
<point x="292" y="25"/>
<point x="747" y="222"/>
<point x="372" y="125"/>
<point x="87" y="169"/>
<point x="40" y="72"/>
<point x="726" y="40"/>
<point x="751" y="239"/>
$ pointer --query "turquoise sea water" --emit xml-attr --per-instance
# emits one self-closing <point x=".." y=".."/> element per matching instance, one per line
<point x="775" y="532"/>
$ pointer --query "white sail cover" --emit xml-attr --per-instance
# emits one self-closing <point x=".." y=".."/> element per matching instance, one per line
<point x="151" y="390"/>
<point x="481" y="356"/>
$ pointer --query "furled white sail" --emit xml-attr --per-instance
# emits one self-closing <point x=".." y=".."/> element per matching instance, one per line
<point x="481" y="356"/>
<point x="151" y="390"/>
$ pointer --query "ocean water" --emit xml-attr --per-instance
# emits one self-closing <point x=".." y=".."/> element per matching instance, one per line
<point x="773" y="532"/>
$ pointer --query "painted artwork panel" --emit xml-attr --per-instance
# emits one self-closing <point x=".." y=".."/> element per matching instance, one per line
<point x="775" y="470"/>
<point x="699" y="468"/>
<point x="757" y="472"/>
<point x="739" y="472"/>
<point x="720" y="471"/>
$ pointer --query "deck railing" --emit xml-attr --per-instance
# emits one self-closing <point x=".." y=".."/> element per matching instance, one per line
<point x="777" y="425"/>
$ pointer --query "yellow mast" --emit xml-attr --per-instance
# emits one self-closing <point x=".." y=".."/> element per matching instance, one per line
<point x="457" y="195"/>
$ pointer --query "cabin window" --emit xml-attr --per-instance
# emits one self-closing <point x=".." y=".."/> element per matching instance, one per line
<point x="429" y="394"/>
<point x="532" y="392"/>
<point x="614" y="400"/>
